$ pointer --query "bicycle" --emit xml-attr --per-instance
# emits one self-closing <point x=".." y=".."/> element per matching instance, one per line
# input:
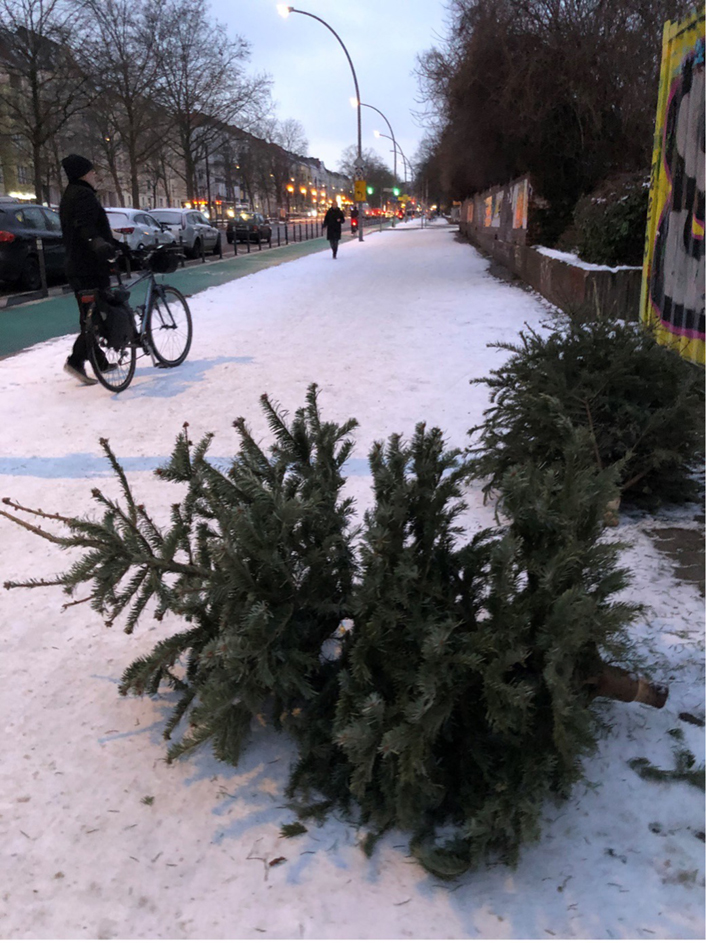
<point x="162" y="331"/>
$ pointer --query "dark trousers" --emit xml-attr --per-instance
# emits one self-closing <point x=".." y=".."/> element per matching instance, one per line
<point x="333" y="245"/>
<point x="80" y="352"/>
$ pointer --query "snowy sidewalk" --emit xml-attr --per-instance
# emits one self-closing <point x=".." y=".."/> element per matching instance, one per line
<point x="101" y="839"/>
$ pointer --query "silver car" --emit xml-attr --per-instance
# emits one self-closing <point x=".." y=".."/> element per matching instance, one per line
<point x="191" y="229"/>
<point x="138" y="229"/>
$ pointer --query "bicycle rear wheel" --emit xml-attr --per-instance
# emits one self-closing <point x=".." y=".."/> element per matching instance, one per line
<point x="169" y="326"/>
<point x="114" y="369"/>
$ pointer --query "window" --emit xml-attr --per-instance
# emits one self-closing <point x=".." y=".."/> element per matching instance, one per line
<point x="175" y="219"/>
<point x="31" y="217"/>
<point x="53" y="221"/>
<point x="23" y="174"/>
<point x="117" y="219"/>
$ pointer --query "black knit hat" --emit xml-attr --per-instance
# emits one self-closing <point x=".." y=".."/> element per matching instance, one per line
<point x="76" y="167"/>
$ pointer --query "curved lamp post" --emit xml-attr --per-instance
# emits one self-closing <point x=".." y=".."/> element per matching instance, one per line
<point x="407" y="173"/>
<point x="354" y="103"/>
<point x="407" y="165"/>
<point x="284" y="10"/>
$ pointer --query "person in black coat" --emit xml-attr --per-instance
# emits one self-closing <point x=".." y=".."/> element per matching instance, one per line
<point x="89" y="246"/>
<point x="334" y="218"/>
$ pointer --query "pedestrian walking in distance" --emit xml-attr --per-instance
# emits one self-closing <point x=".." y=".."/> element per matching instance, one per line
<point x="334" y="218"/>
<point x="89" y="245"/>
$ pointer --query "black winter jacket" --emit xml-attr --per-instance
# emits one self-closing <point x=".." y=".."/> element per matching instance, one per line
<point x="83" y="219"/>
<point x="334" y="218"/>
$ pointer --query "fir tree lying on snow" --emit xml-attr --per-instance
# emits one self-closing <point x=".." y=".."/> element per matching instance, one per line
<point x="640" y="406"/>
<point x="458" y="701"/>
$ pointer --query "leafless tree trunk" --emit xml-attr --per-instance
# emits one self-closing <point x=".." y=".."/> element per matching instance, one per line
<point x="46" y="86"/>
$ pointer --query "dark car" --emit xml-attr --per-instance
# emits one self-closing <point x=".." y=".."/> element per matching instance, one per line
<point x="251" y="226"/>
<point x="20" y="226"/>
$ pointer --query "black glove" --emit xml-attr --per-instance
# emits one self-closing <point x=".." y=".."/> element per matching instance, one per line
<point x="104" y="250"/>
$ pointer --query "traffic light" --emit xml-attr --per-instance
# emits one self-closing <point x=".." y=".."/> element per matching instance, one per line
<point x="370" y="190"/>
<point x="396" y="191"/>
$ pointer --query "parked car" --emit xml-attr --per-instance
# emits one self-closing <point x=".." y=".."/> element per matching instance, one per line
<point x="138" y="229"/>
<point x="192" y="229"/>
<point x="20" y="225"/>
<point x="251" y="226"/>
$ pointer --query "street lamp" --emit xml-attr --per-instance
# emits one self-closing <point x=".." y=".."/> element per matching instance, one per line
<point x="284" y="10"/>
<point x="354" y="103"/>
<point x="407" y="173"/>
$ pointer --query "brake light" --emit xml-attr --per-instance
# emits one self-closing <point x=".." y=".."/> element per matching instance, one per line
<point x="127" y="230"/>
<point x="87" y="299"/>
<point x="6" y="236"/>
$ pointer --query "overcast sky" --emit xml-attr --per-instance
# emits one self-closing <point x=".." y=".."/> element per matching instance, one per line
<point x="312" y="81"/>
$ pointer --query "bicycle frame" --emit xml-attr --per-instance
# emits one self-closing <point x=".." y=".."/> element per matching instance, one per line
<point x="153" y="289"/>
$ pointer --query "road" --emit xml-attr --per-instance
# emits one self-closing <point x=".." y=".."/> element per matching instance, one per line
<point x="295" y="231"/>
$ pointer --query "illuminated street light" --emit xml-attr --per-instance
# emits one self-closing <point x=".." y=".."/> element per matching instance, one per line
<point x="284" y="10"/>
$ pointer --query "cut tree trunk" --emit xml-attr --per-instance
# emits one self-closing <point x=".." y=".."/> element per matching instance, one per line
<point x="621" y="685"/>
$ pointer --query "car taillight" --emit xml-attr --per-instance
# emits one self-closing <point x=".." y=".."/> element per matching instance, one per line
<point x="6" y="236"/>
<point x="126" y="231"/>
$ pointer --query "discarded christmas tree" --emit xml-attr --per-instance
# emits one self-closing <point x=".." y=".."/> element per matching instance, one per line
<point x="460" y="698"/>
<point x="258" y="561"/>
<point x="465" y="688"/>
<point x="641" y="405"/>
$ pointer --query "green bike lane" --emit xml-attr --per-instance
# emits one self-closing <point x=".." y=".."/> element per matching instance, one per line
<point x="22" y="326"/>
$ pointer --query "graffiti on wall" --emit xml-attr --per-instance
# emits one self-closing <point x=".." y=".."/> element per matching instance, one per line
<point x="497" y="209"/>
<point x="520" y="197"/>
<point x="673" y="292"/>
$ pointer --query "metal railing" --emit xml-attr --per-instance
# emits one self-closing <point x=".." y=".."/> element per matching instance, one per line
<point x="282" y="234"/>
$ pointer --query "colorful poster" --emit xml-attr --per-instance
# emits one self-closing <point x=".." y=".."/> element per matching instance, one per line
<point x="673" y="289"/>
<point x="488" y="211"/>
<point x="497" y="208"/>
<point x="519" y="204"/>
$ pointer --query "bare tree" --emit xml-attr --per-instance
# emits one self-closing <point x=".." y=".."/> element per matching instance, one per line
<point x="376" y="171"/>
<point x="202" y="83"/>
<point x="290" y="134"/>
<point x="286" y="139"/>
<point x="45" y="86"/>
<point x="119" y="51"/>
<point x="564" y="89"/>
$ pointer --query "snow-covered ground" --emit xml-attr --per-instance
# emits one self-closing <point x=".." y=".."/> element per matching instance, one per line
<point x="573" y="259"/>
<point x="392" y="331"/>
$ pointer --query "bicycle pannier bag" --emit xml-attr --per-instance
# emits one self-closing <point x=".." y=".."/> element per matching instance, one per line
<point x="116" y="324"/>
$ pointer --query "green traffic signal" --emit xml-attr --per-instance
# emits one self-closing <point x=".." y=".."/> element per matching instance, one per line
<point x="396" y="191"/>
<point x="370" y="190"/>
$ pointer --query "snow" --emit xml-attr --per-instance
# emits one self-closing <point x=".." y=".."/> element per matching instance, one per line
<point x="573" y="259"/>
<point x="392" y="331"/>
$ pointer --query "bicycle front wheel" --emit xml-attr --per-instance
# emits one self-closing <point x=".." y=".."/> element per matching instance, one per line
<point x="169" y="326"/>
<point x="114" y="369"/>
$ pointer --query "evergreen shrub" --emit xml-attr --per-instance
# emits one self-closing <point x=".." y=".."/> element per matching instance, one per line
<point x="639" y="405"/>
<point x="456" y="703"/>
<point x="609" y="224"/>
